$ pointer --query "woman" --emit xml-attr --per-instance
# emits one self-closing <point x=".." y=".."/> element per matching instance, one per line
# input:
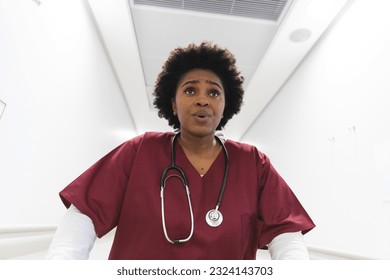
<point x="189" y="194"/>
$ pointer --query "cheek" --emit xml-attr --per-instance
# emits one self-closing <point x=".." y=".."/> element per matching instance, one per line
<point x="222" y="107"/>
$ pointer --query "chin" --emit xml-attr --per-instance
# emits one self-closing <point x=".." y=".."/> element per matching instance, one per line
<point x="201" y="131"/>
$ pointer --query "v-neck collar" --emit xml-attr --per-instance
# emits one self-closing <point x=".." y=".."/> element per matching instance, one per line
<point x="182" y="154"/>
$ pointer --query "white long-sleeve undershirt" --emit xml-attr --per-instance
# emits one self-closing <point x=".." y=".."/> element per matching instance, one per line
<point x="74" y="238"/>
<point x="288" y="246"/>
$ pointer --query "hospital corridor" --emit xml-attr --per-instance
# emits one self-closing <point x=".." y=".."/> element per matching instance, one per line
<point x="77" y="80"/>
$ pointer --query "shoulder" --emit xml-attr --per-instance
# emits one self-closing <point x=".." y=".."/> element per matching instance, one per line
<point x="150" y="139"/>
<point x="244" y="150"/>
<point x="151" y="136"/>
<point x="158" y="136"/>
<point x="148" y="143"/>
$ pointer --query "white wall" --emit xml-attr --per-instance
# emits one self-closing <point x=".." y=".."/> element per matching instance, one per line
<point x="328" y="133"/>
<point x="64" y="109"/>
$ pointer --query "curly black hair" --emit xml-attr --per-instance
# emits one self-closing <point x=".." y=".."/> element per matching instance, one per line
<point x="206" y="56"/>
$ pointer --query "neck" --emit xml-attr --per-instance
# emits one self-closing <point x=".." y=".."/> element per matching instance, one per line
<point x="198" y="144"/>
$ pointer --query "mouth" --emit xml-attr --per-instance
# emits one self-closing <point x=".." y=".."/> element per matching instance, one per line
<point x="202" y="115"/>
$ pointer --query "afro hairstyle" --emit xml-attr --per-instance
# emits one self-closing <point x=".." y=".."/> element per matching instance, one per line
<point x="205" y="56"/>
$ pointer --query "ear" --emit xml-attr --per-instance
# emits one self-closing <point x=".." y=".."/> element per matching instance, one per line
<point x="174" y="108"/>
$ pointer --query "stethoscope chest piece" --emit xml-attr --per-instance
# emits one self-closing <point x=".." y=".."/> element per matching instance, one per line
<point x="214" y="218"/>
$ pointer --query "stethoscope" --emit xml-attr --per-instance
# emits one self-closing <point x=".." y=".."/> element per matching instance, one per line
<point x="214" y="217"/>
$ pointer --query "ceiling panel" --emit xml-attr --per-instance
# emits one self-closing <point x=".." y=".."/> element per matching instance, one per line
<point x="160" y="30"/>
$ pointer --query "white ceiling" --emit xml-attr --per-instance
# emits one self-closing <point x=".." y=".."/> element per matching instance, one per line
<point x="138" y="39"/>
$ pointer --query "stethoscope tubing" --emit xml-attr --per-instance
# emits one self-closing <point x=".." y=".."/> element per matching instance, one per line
<point x="183" y="177"/>
<point x="176" y="241"/>
<point x="225" y="175"/>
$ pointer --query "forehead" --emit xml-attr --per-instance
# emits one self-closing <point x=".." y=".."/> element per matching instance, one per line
<point x="200" y="74"/>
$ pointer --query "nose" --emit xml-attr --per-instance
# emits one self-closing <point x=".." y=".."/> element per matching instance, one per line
<point x="202" y="100"/>
<point x="202" y="103"/>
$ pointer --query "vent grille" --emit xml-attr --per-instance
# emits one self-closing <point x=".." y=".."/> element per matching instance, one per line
<point x="258" y="9"/>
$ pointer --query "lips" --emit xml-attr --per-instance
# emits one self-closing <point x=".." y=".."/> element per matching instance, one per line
<point x="202" y="114"/>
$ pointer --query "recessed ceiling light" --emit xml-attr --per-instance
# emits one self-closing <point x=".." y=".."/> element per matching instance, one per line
<point x="300" y="35"/>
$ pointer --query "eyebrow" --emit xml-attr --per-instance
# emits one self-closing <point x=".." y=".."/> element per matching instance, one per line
<point x="198" y="81"/>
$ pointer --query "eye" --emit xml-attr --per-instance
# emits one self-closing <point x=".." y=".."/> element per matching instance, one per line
<point x="189" y="91"/>
<point x="214" y="93"/>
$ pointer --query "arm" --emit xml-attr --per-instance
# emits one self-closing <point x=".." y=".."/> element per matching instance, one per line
<point x="288" y="246"/>
<point x="74" y="238"/>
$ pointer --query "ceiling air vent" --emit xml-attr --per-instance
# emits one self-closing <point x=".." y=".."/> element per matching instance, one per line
<point x="259" y="9"/>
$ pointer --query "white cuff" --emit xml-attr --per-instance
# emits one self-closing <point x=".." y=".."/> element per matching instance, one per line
<point x="74" y="238"/>
<point x="288" y="246"/>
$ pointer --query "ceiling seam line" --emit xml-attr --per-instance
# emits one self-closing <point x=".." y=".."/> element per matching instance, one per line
<point x="108" y="57"/>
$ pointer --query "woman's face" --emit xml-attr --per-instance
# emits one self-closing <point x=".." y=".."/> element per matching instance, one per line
<point x="199" y="102"/>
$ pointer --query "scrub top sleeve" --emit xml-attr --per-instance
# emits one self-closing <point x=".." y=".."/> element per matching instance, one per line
<point x="279" y="209"/>
<point x="99" y="191"/>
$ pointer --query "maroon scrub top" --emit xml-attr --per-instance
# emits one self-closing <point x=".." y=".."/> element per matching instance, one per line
<point x="122" y="190"/>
